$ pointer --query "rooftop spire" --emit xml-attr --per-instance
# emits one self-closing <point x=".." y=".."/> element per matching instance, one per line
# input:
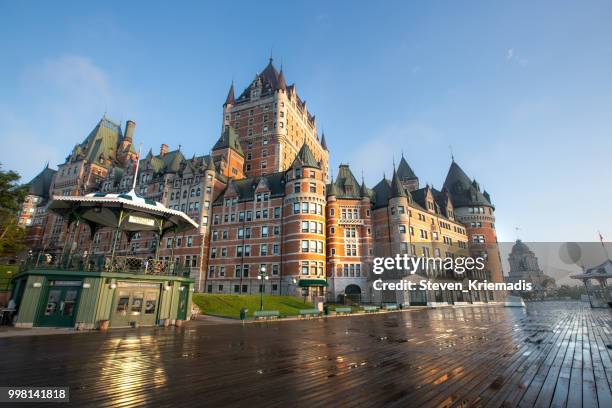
<point x="323" y="142"/>
<point x="397" y="190"/>
<point x="230" y="95"/>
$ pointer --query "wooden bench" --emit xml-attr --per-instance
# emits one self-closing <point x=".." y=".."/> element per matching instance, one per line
<point x="370" y="309"/>
<point x="391" y="307"/>
<point x="309" y="312"/>
<point x="266" y="314"/>
<point x="343" y="310"/>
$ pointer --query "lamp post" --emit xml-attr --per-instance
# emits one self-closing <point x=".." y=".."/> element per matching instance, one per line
<point x="262" y="276"/>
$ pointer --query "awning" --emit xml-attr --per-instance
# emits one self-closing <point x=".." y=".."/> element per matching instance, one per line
<point x="303" y="283"/>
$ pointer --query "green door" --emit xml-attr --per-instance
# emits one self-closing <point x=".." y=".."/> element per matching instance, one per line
<point x="183" y="301"/>
<point x="60" y="306"/>
<point x="135" y="303"/>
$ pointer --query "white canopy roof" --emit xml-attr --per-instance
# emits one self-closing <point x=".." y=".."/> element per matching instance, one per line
<point x="126" y="211"/>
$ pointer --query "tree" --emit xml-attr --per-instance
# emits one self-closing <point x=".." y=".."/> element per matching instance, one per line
<point x="12" y="195"/>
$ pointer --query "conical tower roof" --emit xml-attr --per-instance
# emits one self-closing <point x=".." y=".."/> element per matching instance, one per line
<point x="230" y="96"/>
<point x="463" y="191"/>
<point x="323" y="142"/>
<point x="404" y="171"/>
<point x="228" y="139"/>
<point x="397" y="190"/>
<point x="306" y="157"/>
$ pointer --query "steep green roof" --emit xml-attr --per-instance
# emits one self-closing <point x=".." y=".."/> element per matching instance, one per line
<point x="346" y="185"/>
<point x="102" y="142"/>
<point x="404" y="171"/>
<point x="246" y="187"/>
<point x="463" y="191"/>
<point x="306" y="158"/>
<point x="397" y="190"/>
<point x="39" y="186"/>
<point x="382" y="191"/>
<point x="228" y="139"/>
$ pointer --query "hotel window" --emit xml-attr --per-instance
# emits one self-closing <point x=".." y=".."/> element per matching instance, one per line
<point x="478" y="239"/>
<point x="424" y="234"/>
<point x="401" y="209"/>
<point x="304" y="226"/>
<point x="211" y="271"/>
<point x="305" y="268"/>
<point x="350" y="250"/>
<point x="332" y="230"/>
<point x="264" y="231"/>
<point x="275" y="249"/>
<point x="247" y="250"/>
<point x="247" y="232"/>
<point x="249" y="215"/>
<point x="224" y="252"/>
<point x="304" y="246"/>
<point x="222" y="271"/>
<point x="249" y="156"/>
<point x="213" y="253"/>
<point x="297" y="188"/>
<point x="350" y="232"/>
<point x="277" y="212"/>
<point x="425" y="252"/>
<point x="402" y="229"/>
<point x="276" y="230"/>
<point x="403" y="247"/>
<point x="224" y="234"/>
<point x="331" y="212"/>
<point x="245" y="272"/>
<point x="411" y="231"/>
<point x="313" y="246"/>
<point x="263" y="251"/>
<point x="240" y="232"/>
<point x="168" y="242"/>
<point x="434" y="235"/>
<point x="189" y="241"/>
<point x="265" y="128"/>
<point x="264" y="142"/>
<point x="313" y="187"/>
<point x="305" y="208"/>
<point x="264" y="164"/>
<point x="296" y="208"/>
<point x="313" y="227"/>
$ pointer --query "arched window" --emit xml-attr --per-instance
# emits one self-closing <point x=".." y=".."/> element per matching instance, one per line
<point x="198" y="192"/>
<point x="185" y="194"/>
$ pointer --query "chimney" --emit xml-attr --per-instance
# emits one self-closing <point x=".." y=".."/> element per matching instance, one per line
<point x="163" y="150"/>
<point x="129" y="129"/>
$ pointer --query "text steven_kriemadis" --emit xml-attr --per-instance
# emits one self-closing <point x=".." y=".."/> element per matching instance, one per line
<point x="458" y="265"/>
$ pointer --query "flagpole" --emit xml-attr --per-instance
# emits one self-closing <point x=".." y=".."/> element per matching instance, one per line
<point x="603" y="246"/>
<point x="136" y="170"/>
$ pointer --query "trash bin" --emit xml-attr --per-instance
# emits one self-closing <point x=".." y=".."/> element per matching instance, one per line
<point x="325" y="310"/>
<point x="243" y="313"/>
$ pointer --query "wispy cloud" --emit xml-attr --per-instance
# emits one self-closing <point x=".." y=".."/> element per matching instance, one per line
<point x="512" y="56"/>
<point x="60" y="99"/>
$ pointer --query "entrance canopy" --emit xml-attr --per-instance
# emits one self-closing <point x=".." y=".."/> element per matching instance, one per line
<point x="304" y="283"/>
<point x="126" y="212"/>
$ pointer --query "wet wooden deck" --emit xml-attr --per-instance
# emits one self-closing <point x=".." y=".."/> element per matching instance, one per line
<point x="553" y="354"/>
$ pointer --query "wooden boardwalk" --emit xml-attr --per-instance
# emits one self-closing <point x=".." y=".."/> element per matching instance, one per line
<point x="554" y="354"/>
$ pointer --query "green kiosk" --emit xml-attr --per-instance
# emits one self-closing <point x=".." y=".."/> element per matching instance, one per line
<point x="97" y="292"/>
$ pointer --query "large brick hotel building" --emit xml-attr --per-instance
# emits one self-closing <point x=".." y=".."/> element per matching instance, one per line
<point x="265" y="197"/>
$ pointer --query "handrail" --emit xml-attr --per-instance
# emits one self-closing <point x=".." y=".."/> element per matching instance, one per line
<point x="120" y="264"/>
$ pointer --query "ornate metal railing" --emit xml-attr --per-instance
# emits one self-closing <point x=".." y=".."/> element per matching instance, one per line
<point x="106" y="263"/>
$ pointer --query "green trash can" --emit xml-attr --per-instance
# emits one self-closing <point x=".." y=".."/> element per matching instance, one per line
<point x="243" y="313"/>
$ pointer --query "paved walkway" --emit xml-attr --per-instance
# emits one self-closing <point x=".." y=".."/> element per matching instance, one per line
<point x="552" y="354"/>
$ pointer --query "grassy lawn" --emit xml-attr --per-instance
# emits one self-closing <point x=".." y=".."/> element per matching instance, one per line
<point x="230" y="305"/>
<point x="6" y="273"/>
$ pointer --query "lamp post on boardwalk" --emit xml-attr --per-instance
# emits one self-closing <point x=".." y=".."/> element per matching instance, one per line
<point x="263" y="276"/>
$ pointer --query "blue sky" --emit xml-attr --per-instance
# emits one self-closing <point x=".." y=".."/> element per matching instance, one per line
<point x="521" y="90"/>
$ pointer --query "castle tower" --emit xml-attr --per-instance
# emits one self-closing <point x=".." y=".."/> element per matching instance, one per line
<point x="475" y="211"/>
<point x="272" y="123"/>
<point x="304" y="226"/>
<point x="349" y="236"/>
<point x="228" y="153"/>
